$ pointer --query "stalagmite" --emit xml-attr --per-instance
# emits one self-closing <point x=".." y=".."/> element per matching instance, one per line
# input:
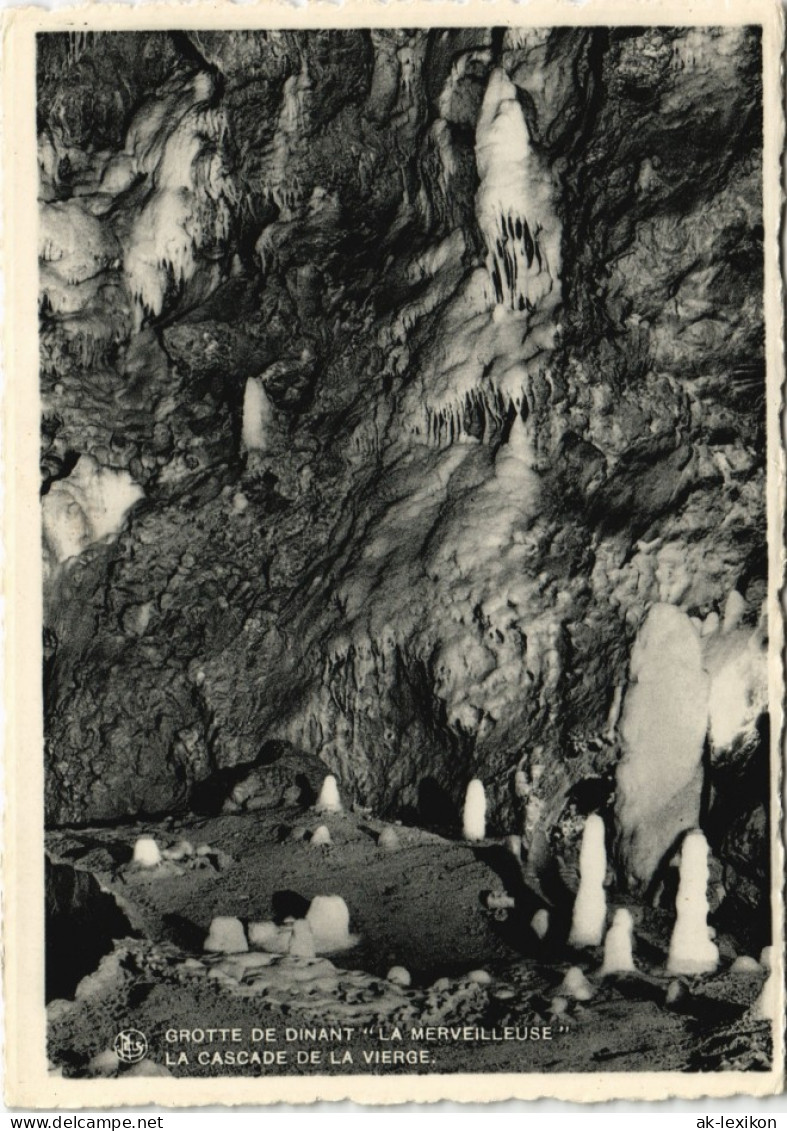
<point x="264" y="935"/>
<point x="329" y="800"/>
<point x="676" y="993"/>
<point x="590" y="905"/>
<point x="329" y="920"/>
<point x="692" y="950"/>
<point x="399" y="976"/>
<point x="301" y="942"/>
<point x="146" y="852"/>
<point x="540" y="922"/>
<point x="104" y="1063"/>
<point x="576" y="985"/>
<point x="734" y="610"/>
<point x="479" y="977"/>
<point x="745" y="965"/>
<point x="388" y="840"/>
<point x="257" y="416"/>
<point x="321" y="836"/>
<point x="474" y="814"/>
<point x="618" y="958"/>
<point x="765" y="1007"/>
<point x="226" y="936"/>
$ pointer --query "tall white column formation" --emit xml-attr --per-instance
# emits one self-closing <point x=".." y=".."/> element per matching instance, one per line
<point x="257" y="416"/>
<point x="474" y="815"/>
<point x="662" y="731"/>
<point x="692" y="950"/>
<point x="590" y="905"/>
<point x="765" y="1007"/>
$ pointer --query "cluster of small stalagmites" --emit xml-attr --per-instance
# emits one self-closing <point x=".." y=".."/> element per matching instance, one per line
<point x="325" y="929"/>
<point x="267" y="960"/>
<point x="692" y="949"/>
<point x="328" y="805"/>
<point x="149" y="858"/>
<point x="328" y="802"/>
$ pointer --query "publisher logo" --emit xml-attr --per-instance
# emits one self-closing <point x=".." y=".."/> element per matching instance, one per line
<point x="131" y="1046"/>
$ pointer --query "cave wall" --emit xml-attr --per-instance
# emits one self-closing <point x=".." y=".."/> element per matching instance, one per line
<point x="389" y="379"/>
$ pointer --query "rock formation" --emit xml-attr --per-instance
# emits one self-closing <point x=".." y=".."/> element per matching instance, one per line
<point x="692" y="950"/>
<point x="590" y="907"/>
<point x="474" y="812"/>
<point x="329" y="800"/>
<point x="662" y="731"/>
<point x="403" y="401"/>
<point x="618" y="957"/>
<point x="329" y="921"/>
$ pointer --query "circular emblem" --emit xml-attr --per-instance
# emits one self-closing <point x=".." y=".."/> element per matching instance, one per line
<point x="131" y="1046"/>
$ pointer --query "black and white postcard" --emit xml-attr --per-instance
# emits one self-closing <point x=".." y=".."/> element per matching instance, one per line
<point x="394" y="487"/>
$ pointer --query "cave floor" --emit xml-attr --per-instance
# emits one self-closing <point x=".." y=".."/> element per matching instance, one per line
<point x="421" y="906"/>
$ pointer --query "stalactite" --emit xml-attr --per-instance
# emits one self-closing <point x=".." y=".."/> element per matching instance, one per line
<point x="513" y="203"/>
<point x="472" y="417"/>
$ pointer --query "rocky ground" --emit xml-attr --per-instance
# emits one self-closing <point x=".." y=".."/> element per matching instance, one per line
<point x="420" y="904"/>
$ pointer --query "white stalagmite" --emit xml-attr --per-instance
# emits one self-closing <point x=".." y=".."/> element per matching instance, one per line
<point x="329" y="920"/>
<point x="474" y="814"/>
<point x="734" y="610"/>
<point x="692" y="951"/>
<point x="301" y="942"/>
<point x="766" y="1005"/>
<point x="399" y="976"/>
<point x="575" y="985"/>
<point x="257" y="416"/>
<point x="264" y="936"/>
<point x="745" y="965"/>
<point x="618" y="957"/>
<point x="388" y="840"/>
<point x="590" y="906"/>
<point x="226" y="936"/>
<point x="540" y="922"/>
<point x="479" y="978"/>
<point x="321" y="836"/>
<point x="146" y="852"/>
<point x="329" y="800"/>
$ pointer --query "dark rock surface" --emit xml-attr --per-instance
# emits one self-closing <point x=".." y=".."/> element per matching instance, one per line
<point x="331" y="490"/>
<point x="82" y="921"/>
